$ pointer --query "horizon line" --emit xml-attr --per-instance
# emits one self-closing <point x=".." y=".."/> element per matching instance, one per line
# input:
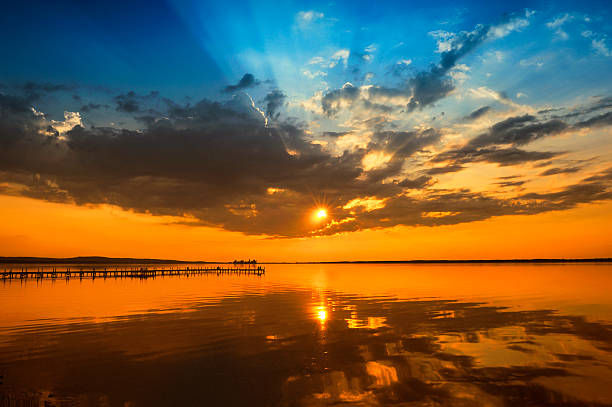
<point x="105" y="259"/>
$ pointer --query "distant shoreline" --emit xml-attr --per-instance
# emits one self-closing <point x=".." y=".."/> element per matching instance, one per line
<point x="128" y="260"/>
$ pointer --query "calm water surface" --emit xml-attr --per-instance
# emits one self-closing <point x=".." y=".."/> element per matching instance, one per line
<point x="313" y="335"/>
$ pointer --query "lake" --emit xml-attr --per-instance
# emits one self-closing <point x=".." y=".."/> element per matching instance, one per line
<point x="313" y="335"/>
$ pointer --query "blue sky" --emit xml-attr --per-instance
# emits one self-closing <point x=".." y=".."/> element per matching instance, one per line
<point x="510" y="101"/>
<point x="190" y="48"/>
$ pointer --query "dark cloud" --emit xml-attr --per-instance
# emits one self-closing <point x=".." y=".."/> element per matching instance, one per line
<point x="131" y="102"/>
<point x="92" y="106"/>
<point x="600" y="103"/>
<point x="274" y="101"/>
<point x="11" y="105"/>
<point x="505" y="184"/>
<point x="385" y="92"/>
<point x="430" y="86"/>
<point x="247" y="81"/>
<point x="501" y="156"/>
<point x="478" y="113"/>
<point x="596" y="121"/>
<point x="445" y="170"/>
<point x="517" y="131"/>
<point x="222" y="165"/>
<point x="452" y="207"/>
<point x="603" y="176"/>
<point x="350" y="95"/>
<point x="34" y="91"/>
<point x="211" y="160"/>
<point x="542" y="164"/>
<point x="591" y="189"/>
<point x="402" y="144"/>
<point x="400" y="69"/>
<point x="377" y="107"/>
<point x="500" y="143"/>
<point x="335" y="134"/>
<point x="399" y="146"/>
<point x="555" y="171"/>
<point x="332" y="100"/>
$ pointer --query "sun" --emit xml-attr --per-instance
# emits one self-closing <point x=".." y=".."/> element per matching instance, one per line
<point x="319" y="215"/>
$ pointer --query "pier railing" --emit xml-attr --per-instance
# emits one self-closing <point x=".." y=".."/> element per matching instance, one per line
<point x="125" y="271"/>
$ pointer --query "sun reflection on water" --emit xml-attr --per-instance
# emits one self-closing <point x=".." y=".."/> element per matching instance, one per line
<point x="321" y="314"/>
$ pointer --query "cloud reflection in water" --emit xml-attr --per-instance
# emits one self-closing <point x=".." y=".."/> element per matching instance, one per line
<point x="296" y="346"/>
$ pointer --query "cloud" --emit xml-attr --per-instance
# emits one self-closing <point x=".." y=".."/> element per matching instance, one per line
<point x="478" y="113"/>
<point x="517" y="131"/>
<point x="591" y="189"/>
<point x="127" y="103"/>
<point x="33" y="90"/>
<point x="211" y="161"/>
<point x="247" y="81"/>
<point x="46" y="87"/>
<point x="14" y="106"/>
<point x="501" y="97"/>
<point x="604" y="119"/>
<point x="403" y="144"/>
<point x="340" y="55"/>
<point x="306" y="17"/>
<point x="555" y="171"/>
<point x="459" y="206"/>
<point x="425" y="88"/>
<point x="131" y="102"/>
<point x="531" y="62"/>
<point x="273" y="102"/>
<point x="333" y="100"/>
<point x="71" y="120"/>
<point x="215" y="163"/>
<point x="316" y="61"/>
<point x="429" y="86"/>
<point x="92" y="106"/>
<point x="507" y="184"/>
<point x="313" y="74"/>
<point x="500" y="143"/>
<point x="598" y="43"/>
<point x="511" y="22"/>
<point x="400" y="68"/>
<point x="557" y="23"/>
<point x="600" y="46"/>
<point x="445" y="170"/>
<point x="495" y="155"/>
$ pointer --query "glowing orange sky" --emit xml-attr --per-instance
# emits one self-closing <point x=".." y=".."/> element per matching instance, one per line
<point x="37" y="228"/>
<point x="321" y="135"/>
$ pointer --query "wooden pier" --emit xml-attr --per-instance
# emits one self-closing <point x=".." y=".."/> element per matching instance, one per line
<point x="125" y="271"/>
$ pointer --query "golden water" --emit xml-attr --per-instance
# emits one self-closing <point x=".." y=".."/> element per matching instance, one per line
<point x="311" y="335"/>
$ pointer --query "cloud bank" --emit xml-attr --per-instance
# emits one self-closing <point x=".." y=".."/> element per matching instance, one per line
<point x="222" y="164"/>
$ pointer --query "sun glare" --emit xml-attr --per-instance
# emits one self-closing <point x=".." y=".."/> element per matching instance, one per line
<point x="322" y="315"/>
<point x="321" y="213"/>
